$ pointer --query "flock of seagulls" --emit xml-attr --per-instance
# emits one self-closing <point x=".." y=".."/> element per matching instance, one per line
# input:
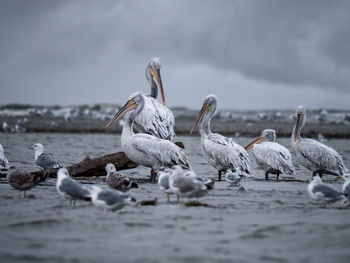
<point x="147" y="139"/>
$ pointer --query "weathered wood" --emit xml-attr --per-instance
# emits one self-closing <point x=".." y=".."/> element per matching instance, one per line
<point x="94" y="166"/>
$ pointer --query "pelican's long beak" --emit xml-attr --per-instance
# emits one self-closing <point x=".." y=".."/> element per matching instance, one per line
<point x="155" y="73"/>
<point x="129" y="105"/>
<point x="205" y="108"/>
<point x="297" y="125"/>
<point x="250" y="145"/>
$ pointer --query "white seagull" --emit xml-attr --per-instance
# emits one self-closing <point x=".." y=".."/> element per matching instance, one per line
<point x="4" y="163"/>
<point x="109" y="199"/>
<point x="346" y="185"/>
<point x="146" y="149"/>
<point x="155" y="119"/>
<point x="185" y="183"/>
<point x="270" y="156"/>
<point x="312" y="154"/>
<point x="221" y="152"/>
<point x="71" y="189"/>
<point x="42" y="159"/>
<point x="234" y="178"/>
<point x="320" y="191"/>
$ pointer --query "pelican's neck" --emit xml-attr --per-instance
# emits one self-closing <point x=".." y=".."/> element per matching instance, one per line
<point x="128" y="125"/>
<point x="205" y="129"/>
<point x="295" y="134"/>
<point x="154" y="88"/>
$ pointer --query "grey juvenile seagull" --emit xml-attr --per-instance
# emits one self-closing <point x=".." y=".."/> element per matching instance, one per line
<point x="109" y="199"/>
<point x="23" y="181"/>
<point x="42" y="159"/>
<point x="320" y="191"/>
<point x="117" y="181"/>
<point x="71" y="189"/>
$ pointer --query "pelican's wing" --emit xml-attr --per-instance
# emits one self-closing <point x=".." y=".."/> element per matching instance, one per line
<point x="227" y="153"/>
<point x="275" y="156"/>
<point x="47" y="161"/>
<point x="321" y="155"/>
<point x="166" y="152"/>
<point x="323" y="190"/>
<point x="155" y="119"/>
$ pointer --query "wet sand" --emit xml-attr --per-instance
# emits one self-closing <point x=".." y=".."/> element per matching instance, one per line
<point x="269" y="221"/>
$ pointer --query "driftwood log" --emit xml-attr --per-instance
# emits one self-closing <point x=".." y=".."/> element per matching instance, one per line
<point x="94" y="166"/>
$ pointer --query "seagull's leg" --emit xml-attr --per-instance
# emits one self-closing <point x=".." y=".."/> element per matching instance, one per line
<point x="219" y="175"/>
<point x="168" y="197"/>
<point x="178" y="198"/>
<point x="266" y="176"/>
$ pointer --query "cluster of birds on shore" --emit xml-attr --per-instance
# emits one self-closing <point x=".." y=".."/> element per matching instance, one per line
<point x="147" y="139"/>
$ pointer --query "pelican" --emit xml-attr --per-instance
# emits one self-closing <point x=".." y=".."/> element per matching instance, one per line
<point x="146" y="149"/>
<point x="221" y="152"/>
<point x="312" y="154"/>
<point x="155" y="119"/>
<point x="270" y="156"/>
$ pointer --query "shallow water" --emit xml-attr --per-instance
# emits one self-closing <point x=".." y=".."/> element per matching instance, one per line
<point x="269" y="221"/>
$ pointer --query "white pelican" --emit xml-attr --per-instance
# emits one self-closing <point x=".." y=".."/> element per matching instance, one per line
<point x="270" y="156"/>
<point x="312" y="154"/>
<point x="117" y="181"/>
<point x="146" y="149"/>
<point x="320" y="191"/>
<point x="220" y="152"/>
<point x="42" y="159"/>
<point x="155" y="118"/>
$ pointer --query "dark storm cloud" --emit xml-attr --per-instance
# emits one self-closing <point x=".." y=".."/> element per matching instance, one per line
<point x="66" y="44"/>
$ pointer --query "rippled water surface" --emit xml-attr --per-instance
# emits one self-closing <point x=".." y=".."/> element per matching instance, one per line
<point x="269" y="221"/>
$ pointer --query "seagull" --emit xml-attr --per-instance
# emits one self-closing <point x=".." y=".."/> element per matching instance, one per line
<point x="42" y="159"/>
<point x="234" y="178"/>
<point x="23" y="181"/>
<point x="320" y="191"/>
<point x="221" y="152"/>
<point x="71" y="189"/>
<point x="163" y="181"/>
<point x="146" y="149"/>
<point x="155" y="119"/>
<point x="346" y="185"/>
<point x="109" y="199"/>
<point x="312" y="154"/>
<point x="4" y="163"/>
<point x="118" y="181"/>
<point x="270" y="156"/>
<point x="185" y="183"/>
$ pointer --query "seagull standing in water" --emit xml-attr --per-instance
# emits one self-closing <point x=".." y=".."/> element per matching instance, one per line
<point x="4" y="163"/>
<point x="221" y="152"/>
<point x="312" y="154"/>
<point x="71" y="189"/>
<point x="146" y="149"/>
<point x="346" y="185"/>
<point x="270" y="156"/>
<point x="117" y="181"/>
<point x="155" y="119"/>
<point x="320" y="191"/>
<point x="109" y="199"/>
<point x="42" y="159"/>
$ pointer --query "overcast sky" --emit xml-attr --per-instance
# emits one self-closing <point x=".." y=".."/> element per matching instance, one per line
<point x="251" y="54"/>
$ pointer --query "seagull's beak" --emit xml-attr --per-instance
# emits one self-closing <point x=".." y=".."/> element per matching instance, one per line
<point x="129" y="105"/>
<point x="250" y="145"/>
<point x="31" y="147"/>
<point x="206" y="107"/>
<point x="297" y="125"/>
<point x="155" y="73"/>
